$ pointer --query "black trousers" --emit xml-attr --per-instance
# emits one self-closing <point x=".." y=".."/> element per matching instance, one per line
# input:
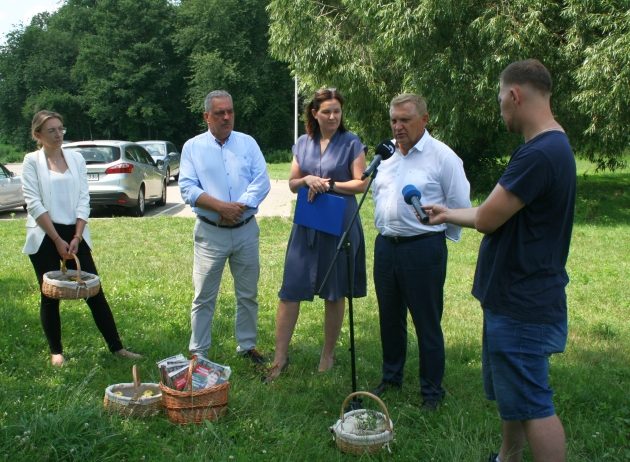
<point x="47" y="259"/>
<point x="410" y="275"/>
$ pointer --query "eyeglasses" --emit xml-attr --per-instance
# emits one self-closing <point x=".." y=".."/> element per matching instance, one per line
<point x="51" y="131"/>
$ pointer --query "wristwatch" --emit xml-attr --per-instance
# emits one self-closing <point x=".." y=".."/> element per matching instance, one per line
<point x="331" y="185"/>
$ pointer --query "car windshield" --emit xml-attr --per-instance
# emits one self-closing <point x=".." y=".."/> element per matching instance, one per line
<point x="97" y="154"/>
<point x="155" y="149"/>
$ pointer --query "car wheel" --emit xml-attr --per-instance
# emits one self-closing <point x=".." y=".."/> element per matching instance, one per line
<point x="176" y="177"/>
<point x="138" y="210"/>
<point x="168" y="175"/>
<point x="162" y="200"/>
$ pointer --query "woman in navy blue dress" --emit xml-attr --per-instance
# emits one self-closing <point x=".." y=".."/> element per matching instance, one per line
<point x="327" y="159"/>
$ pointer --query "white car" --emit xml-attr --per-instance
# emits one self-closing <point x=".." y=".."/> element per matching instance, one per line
<point x="121" y="174"/>
<point x="11" y="195"/>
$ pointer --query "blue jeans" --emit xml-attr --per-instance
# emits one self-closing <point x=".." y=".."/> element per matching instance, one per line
<point x="515" y="362"/>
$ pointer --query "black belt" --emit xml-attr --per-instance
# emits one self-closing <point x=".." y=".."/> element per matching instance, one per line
<point x="401" y="239"/>
<point x="237" y="225"/>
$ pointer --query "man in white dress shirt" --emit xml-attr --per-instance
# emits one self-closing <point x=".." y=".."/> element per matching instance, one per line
<point x="410" y="257"/>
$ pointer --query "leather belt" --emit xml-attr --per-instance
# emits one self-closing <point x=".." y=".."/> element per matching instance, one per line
<point x="401" y="239"/>
<point x="237" y="225"/>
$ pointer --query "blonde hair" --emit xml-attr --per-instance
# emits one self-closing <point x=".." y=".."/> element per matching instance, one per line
<point x="40" y="119"/>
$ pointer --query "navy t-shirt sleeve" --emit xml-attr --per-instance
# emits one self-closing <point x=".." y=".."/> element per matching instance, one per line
<point x="528" y="175"/>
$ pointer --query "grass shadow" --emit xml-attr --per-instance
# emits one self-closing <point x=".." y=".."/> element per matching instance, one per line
<point x="603" y="199"/>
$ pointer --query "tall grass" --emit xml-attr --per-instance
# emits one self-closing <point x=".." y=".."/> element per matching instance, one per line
<point x="145" y="265"/>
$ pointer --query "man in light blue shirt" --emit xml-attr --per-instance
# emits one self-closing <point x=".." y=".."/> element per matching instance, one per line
<point x="223" y="177"/>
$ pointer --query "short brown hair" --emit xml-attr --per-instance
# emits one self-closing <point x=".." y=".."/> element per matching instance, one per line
<point x="321" y="95"/>
<point x="528" y="71"/>
<point x="39" y="119"/>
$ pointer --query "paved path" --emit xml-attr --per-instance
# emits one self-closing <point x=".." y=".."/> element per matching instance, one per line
<point x="277" y="204"/>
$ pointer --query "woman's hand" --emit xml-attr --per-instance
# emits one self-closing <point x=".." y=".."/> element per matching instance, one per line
<point x="316" y="185"/>
<point x="63" y="248"/>
<point x="73" y="248"/>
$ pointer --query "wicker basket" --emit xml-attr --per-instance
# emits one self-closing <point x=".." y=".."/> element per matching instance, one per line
<point x="195" y="406"/>
<point x="70" y="284"/>
<point x="133" y="399"/>
<point x="363" y="431"/>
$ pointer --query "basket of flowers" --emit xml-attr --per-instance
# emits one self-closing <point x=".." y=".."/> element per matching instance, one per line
<point x="135" y="399"/>
<point x="363" y="431"/>
<point x="70" y="284"/>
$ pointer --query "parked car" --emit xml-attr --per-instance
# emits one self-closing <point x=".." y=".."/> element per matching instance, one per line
<point x="166" y="152"/>
<point x="122" y="174"/>
<point x="11" y="195"/>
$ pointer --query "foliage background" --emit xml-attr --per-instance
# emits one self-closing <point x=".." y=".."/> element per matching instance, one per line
<point x="140" y="68"/>
<point x="452" y="51"/>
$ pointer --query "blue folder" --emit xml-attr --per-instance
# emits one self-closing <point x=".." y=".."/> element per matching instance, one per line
<point x="324" y="214"/>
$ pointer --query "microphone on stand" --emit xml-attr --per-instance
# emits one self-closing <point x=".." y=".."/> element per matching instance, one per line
<point x="412" y="196"/>
<point x="383" y="152"/>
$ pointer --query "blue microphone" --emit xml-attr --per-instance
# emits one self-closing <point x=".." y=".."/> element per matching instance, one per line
<point x="412" y="196"/>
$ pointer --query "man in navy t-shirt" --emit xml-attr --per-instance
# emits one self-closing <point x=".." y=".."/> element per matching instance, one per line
<point x="521" y="277"/>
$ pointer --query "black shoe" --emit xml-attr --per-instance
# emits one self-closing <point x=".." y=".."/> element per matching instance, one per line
<point x="254" y="356"/>
<point x="493" y="457"/>
<point x="430" y="405"/>
<point x="384" y="386"/>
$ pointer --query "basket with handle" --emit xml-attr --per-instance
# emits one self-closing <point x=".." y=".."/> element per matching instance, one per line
<point x="363" y="431"/>
<point x="70" y="284"/>
<point x="195" y="406"/>
<point x="135" y="399"/>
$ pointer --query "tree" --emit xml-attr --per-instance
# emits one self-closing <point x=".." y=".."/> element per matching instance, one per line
<point x="35" y="69"/>
<point x="601" y="30"/>
<point x="128" y="71"/>
<point x="452" y="52"/>
<point x="108" y="66"/>
<point x="226" y="45"/>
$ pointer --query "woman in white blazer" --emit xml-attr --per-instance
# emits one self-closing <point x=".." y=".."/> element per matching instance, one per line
<point x="58" y="202"/>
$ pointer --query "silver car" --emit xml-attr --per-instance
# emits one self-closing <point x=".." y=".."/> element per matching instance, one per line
<point x="164" y="152"/>
<point x="11" y="195"/>
<point x="122" y="174"/>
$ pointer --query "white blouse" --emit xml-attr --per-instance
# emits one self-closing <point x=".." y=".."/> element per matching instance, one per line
<point x="61" y="188"/>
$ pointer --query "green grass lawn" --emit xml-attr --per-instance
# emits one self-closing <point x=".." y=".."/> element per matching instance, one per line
<point x="145" y="266"/>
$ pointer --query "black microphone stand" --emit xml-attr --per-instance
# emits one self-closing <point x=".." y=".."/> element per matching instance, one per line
<point x="346" y="245"/>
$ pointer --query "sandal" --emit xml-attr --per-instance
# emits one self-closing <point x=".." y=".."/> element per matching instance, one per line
<point x="274" y="372"/>
<point x="123" y="353"/>
<point x="57" y="360"/>
<point x="328" y="366"/>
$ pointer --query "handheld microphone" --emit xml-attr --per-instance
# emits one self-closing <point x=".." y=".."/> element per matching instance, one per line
<point x="383" y="152"/>
<point x="412" y="196"/>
